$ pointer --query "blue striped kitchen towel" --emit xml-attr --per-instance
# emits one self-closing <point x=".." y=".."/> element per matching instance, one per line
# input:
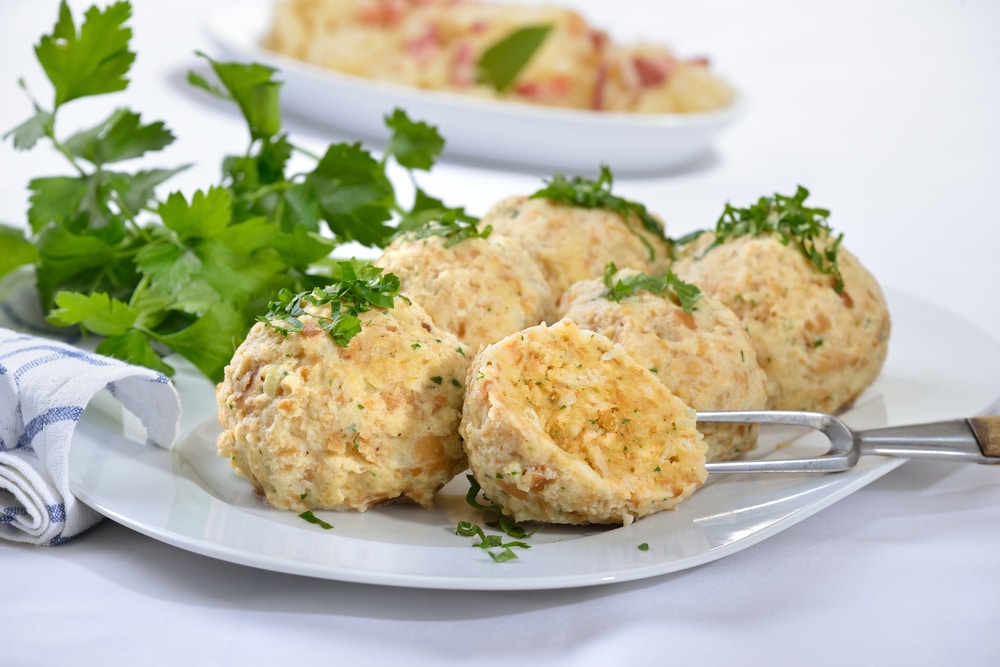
<point x="45" y="385"/>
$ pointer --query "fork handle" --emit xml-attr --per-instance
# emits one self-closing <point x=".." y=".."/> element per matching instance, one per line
<point x="972" y="440"/>
<point x="987" y="431"/>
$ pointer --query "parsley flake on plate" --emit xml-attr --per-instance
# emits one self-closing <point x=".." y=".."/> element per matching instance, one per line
<point x="312" y="518"/>
<point x="498" y="549"/>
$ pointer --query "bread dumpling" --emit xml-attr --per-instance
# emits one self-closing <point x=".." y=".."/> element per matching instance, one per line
<point x="480" y="289"/>
<point x="820" y="343"/>
<point x="316" y="425"/>
<point x="703" y="354"/>
<point x="561" y="425"/>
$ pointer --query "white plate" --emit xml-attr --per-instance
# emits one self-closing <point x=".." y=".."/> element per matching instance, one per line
<point x="481" y="130"/>
<point x="939" y="367"/>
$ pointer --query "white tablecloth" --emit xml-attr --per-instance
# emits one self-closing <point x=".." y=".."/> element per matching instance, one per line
<point x="887" y="111"/>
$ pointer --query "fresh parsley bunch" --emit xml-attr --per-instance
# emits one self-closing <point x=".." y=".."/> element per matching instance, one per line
<point x="189" y="273"/>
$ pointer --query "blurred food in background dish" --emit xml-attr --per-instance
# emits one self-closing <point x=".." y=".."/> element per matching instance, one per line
<point x="538" y="54"/>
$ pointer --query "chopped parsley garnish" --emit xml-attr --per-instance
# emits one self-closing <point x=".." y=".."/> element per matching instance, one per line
<point x="430" y="217"/>
<point x="667" y="285"/>
<point x="496" y="519"/>
<point x="361" y="287"/>
<point x="453" y="231"/>
<point x="490" y="542"/>
<point x="500" y="64"/>
<point x="312" y="518"/>
<point x="793" y="222"/>
<point x="590" y="193"/>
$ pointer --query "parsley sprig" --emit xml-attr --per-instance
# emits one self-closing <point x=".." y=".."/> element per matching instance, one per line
<point x="596" y="193"/>
<point x="496" y="519"/>
<point x="794" y="223"/>
<point x="359" y="288"/>
<point x="666" y="285"/>
<point x="188" y="273"/>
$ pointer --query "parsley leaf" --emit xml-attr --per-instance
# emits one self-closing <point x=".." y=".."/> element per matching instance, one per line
<point x="133" y="346"/>
<point x="28" y="133"/>
<point x="70" y="261"/>
<point x="312" y="518"/>
<point x="667" y="285"/>
<point x="15" y="249"/>
<point x="490" y="542"/>
<point x="209" y="341"/>
<point x="209" y="258"/>
<point x="98" y="312"/>
<point x="354" y="194"/>
<point x="93" y="61"/>
<point x="500" y="64"/>
<point x="121" y="136"/>
<point x="496" y="519"/>
<point x="415" y="145"/>
<point x="135" y="191"/>
<point x="253" y="88"/>
<point x="207" y="214"/>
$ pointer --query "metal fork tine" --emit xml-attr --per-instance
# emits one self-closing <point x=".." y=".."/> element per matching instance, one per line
<point x="841" y="455"/>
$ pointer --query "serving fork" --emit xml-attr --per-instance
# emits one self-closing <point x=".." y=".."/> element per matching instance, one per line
<point x="970" y="440"/>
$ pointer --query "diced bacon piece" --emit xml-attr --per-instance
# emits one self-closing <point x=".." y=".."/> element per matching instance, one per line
<point x="531" y="89"/>
<point x="600" y="86"/>
<point x="599" y="40"/>
<point x="551" y="89"/>
<point x="422" y="47"/>
<point x="382" y="12"/>
<point x="653" y="71"/>
<point x="429" y="3"/>
<point x="463" y="70"/>
<point x="561" y="85"/>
